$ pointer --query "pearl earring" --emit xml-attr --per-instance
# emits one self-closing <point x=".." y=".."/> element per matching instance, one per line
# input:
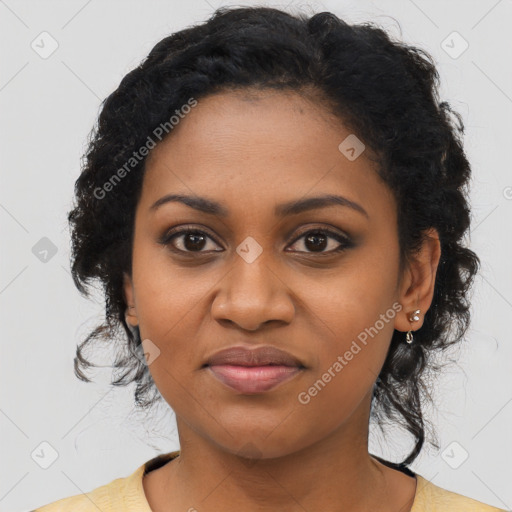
<point x="413" y="317"/>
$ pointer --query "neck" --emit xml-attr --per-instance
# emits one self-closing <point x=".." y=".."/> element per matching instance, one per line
<point x="335" y="473"/>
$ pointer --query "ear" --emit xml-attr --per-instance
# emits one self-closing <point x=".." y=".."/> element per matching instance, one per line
<point x="131" y="314"/>
<point x="417" y="286"/>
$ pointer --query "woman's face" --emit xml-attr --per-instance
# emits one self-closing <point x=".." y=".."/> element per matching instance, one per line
<point x="256" y="277"/>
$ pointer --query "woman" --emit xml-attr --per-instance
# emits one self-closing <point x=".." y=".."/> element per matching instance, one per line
<point x="275" y="206"/>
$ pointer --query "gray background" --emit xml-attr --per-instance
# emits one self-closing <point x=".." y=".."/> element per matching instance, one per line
<point x="48" y="106"/>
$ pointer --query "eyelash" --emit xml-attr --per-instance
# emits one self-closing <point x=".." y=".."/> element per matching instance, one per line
<point x="345" y="242"/>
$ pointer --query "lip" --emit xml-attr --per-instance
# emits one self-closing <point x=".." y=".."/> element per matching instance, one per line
<point x="260" y="356"/>
<point x="253" y="379"/>
<point x="253" y="370"/>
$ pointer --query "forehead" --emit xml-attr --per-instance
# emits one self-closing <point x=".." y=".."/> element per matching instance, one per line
<point x="249" y="147"/>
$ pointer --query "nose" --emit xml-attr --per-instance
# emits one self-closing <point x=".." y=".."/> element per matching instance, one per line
<point x="253" y="294"/>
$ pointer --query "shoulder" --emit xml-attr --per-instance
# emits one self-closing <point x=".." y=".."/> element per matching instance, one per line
<point x="110" y="497"/>
<point x="124" y="494"/>
<point x="432" y="498"/>
<point x="99" y="498"/>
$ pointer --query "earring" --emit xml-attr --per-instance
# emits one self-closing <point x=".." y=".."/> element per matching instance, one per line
<point x="413" y="317"/>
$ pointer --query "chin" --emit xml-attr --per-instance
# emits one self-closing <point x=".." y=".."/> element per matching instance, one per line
<point x="252" y="446"/>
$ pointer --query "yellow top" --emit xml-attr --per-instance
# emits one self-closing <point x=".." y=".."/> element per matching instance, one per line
<point x="127" y="495"/>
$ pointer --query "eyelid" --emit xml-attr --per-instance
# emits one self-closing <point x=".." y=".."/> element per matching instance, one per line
<point x="345" y="240"/>
<point x="184" y="229"/>
<point x="330" y="231"/>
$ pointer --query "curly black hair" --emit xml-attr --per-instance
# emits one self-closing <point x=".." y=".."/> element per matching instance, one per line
<point x="385" y="91"/>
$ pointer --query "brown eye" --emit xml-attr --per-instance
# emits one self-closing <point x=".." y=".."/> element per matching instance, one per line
<point x="188" y="240"/>
<point x="317" y="240"/>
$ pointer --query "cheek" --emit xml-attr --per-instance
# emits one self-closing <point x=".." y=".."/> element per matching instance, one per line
<point x="350" y="353"/>
<point x="168" y="308"/>
<point x="165" y="294"/>
<point x="348" y="365"/>
<point x="354" y="312"/>
<point x="357" y="297"/>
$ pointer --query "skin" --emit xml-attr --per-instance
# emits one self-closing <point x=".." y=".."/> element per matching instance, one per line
<point x="250" y="152"/>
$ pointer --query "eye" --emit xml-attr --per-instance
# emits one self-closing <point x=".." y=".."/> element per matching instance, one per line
<point x="316" y="240"/>
<point x="188" y="240"/>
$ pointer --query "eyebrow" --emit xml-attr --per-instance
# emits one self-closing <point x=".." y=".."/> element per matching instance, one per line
<point x="290" y="208"/>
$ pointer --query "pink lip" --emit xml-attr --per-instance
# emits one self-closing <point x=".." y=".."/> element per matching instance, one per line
<point x="253" y="379"/>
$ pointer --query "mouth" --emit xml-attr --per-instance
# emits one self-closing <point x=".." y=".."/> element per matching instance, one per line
<point x="251" y="371"/>
<point x="253" y="379"/>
